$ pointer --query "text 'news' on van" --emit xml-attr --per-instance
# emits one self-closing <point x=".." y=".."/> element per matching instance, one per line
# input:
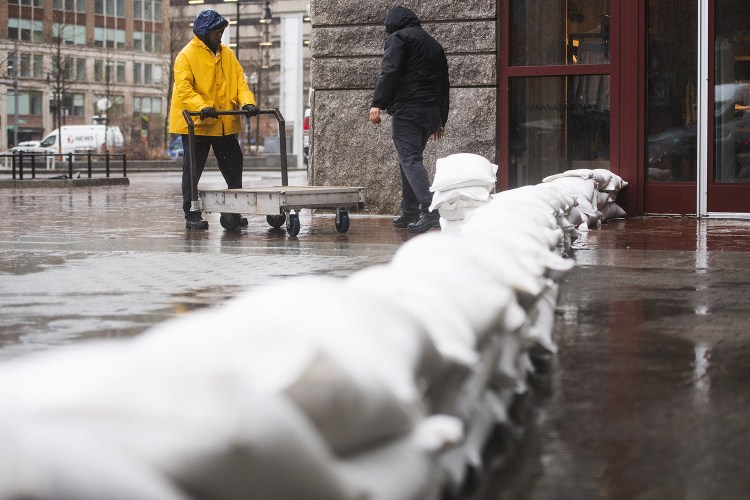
<point x="80" y="138"/>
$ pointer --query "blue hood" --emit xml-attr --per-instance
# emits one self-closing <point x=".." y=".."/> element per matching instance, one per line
<point x="208" y="20"/>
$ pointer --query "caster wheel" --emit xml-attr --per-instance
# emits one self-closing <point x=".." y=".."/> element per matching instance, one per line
<point x="230" y="221"/>
<point x="342" y="221"/>
<point x="292" y="225"/>
<point x="276" y="221"/>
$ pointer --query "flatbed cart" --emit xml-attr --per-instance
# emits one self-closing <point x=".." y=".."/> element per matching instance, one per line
<point x="280" y="204"/>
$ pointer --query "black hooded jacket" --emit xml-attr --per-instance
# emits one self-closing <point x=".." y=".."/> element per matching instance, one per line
<point x="414" y="70"/>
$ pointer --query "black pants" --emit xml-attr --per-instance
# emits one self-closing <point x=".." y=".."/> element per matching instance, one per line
<point x="411" y="128"/>
<point x="228" y="155"/>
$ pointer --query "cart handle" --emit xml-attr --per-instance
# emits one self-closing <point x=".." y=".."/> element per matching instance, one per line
<point x="187" y="115"/>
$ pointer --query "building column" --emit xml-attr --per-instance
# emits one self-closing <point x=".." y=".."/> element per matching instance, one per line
<point x="291" y="87"/>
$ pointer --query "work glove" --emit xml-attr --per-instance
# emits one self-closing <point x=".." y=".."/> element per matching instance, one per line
<point x="208" y="113"/>
<point x="251" y="110"/>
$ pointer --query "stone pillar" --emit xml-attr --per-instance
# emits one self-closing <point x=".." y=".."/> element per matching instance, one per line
<point x="347" y="45"/>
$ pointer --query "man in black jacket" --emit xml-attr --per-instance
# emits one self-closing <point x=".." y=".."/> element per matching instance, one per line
<point x="413" y="87"/>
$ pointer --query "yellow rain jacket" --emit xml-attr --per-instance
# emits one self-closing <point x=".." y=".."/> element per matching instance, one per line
<point x="202" y="80"/>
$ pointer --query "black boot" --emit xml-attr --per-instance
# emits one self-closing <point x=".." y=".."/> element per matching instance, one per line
<point x="404" y="220"/>
<point x="425" y="223"/>
<point x="193" y="220"/>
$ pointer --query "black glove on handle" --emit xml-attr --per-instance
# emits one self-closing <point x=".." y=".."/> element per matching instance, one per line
<point x="208" y="113"/>
<point x="251" y="110"/>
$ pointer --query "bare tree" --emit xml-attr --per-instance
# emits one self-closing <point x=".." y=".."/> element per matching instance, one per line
<point x="58" y="78"/>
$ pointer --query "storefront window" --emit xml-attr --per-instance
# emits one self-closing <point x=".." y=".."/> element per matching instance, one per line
<point x="559" y="32"/>
<point x="732" y="92"/>
<point x="671" y="100"/>
<point x="556" y="124"/>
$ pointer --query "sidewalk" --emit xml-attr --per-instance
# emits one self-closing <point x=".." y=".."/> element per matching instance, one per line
<point x="646" y="397"/>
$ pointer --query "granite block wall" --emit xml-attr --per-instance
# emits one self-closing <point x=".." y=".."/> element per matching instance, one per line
<point x="347" y="45"/>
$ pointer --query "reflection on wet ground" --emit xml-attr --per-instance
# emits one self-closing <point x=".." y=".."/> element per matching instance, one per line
<point x="112" y="261"/>
<point x="646" y="397"/>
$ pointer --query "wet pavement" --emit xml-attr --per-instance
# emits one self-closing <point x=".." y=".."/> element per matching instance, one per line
<point x="647" y="397"/>
<point x="82" y="262"/>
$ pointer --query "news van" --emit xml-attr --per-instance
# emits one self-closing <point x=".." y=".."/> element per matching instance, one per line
<point x="81" y="138"/>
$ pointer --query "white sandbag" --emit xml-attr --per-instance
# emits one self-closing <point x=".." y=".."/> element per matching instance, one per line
<point x="602" y="198"/>
<point x="512" y="222"/>
<point x="602" y="176"/>
<point x="522" y="197"/>
<point x="362" y="330"/>
<point x="460" y="197"/>
<point x="612" y="210"/>
<point x="452" y="260"/>
<point x="583" y="173"/>
<point x="396" y="470"/>
<point x="268" y="451"/>
<point x="47" y="459"/>
<point x="463" y="169"/>
<point x="614" y="182"/>
<point x="583" y="188"/>
<point x="351" y="411"/>
<point x="463" y="212"/>
<point x="510" y="370"/>
<point x="541" y="320"/>
<point x="458" y="305"/>
<point x="450" y="226"/>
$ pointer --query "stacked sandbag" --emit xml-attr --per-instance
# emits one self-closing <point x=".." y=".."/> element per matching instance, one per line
<point x="595" y="191"/>
<point x="384" y="385"/>
<point x="245" y="401"/>
<point x="462" y="182"/>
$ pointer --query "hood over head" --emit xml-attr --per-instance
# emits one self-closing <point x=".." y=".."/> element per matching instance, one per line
<point x="208" y="20"/>
<point x="398" y="18"/>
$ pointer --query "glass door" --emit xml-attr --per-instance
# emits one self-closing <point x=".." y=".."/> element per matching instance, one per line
<point x="728" y="173"/>
<point x="555" y="103"/>
<point x="671" y="125"/>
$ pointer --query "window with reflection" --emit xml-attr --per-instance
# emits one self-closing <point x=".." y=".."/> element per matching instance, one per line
<point x="559" y="32"/>
<point x="557" y="123"/>
<point x="732" y="92"/>
<point x="671" y="98"/>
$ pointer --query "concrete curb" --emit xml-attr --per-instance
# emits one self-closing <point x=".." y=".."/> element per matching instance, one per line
<point x="49" y="183"/>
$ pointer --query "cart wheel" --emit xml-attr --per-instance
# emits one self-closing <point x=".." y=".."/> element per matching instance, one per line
<point x="292" y="225"/>
<point x="230" y="221"/>
<point x="342" y="221"/>
<point x="276" y="221"/>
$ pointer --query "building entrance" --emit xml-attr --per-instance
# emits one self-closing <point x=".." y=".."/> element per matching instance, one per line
<point x="657" y="91"/>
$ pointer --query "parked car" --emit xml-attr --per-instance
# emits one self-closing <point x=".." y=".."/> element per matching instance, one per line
<point x="26" y="146"/>
<point x="306" y="136"/>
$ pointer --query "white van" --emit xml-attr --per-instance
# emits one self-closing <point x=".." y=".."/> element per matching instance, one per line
<point x="81" y="138"/>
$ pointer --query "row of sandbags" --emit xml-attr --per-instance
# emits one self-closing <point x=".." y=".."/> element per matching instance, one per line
<point x="463" y="182"/>
<point x="383" y="385"/>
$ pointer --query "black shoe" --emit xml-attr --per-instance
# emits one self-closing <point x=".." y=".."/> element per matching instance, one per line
<point x="243" y="222"/>
<point x="404" y="220"/>
<point x="195" y="221"/>
<point x="425" y="223"/>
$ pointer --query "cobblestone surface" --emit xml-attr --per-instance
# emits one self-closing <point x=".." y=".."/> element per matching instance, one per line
<point x="81" y="262"/>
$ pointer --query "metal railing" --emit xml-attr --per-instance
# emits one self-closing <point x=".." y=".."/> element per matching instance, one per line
<point x="18" y="161"/>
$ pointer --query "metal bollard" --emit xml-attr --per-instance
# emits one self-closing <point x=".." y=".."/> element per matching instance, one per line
<point x="124" y="165"/>
<point x="70" y="165"/>
<point x="89" y="162"/>
<point x="106" y="163"/>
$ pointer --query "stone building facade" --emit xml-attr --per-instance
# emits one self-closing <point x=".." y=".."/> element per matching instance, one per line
<point x="347" y="45"/>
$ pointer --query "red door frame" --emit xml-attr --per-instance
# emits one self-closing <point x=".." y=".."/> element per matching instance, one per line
<point x="627" y="109"/>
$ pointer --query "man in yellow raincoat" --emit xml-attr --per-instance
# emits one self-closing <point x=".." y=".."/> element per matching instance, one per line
<point x="209" y="78"/>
